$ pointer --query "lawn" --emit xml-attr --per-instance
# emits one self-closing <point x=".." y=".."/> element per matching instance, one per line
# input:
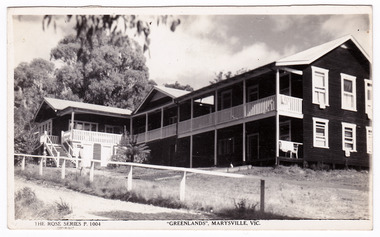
<point x="290" y="192"/>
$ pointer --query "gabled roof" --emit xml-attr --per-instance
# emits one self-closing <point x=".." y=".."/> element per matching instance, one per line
<point x="59" y="105"/>
<point x="174" y="93"/>
<point x="310" y="55"/>
<point x="170" y="92"/>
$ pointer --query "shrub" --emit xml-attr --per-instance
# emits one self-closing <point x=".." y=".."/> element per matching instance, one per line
<point x="29" y="207"/>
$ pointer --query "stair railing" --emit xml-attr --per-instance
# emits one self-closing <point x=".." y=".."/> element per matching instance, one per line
<point x="70" y="151"/>
<point x="50" y="146"/>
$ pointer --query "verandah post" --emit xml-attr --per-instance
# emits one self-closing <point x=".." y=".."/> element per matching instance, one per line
<point x="129" y="179"/>
<point x="63" y="173"/>
<point x="277" y="116"/>
<point x="182" y="188"/>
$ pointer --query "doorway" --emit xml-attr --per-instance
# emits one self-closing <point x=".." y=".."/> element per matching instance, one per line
<point x="253" y="147"/>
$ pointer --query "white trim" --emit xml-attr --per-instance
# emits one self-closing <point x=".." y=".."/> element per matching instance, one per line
<point x="368" y="102"/>
<point x="353" y="93"/>
<point x="289" y="61"/>
<point x="353" y="127"/>
<point x="326" y="128"/>
<point x="291" y="70"/>
<point x="325" y="89"/>
<point x="369" y="139"/>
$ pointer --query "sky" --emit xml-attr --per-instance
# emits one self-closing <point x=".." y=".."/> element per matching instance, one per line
<point x="204" y="45"/>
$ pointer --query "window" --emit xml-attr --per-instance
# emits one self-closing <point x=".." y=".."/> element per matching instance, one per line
<point x="253" y="93"/>
<point x="320" y="133"/>
<point x="113" y="129"/>
<point x="369" y="140"/>
<point x="285" y="84"/>
<point x="348" y="92"/>
<point x="320" y="83"/>
<point x="368" y="97"/>
<point x="173" y="119"/>
<point x="349" y="137"/>
<point x="285" y="131"/>
<point x="226" y="101"/>
<point x="86" y="126"/>
<point x="226" y="146"/>
<point x="45" y="126"/>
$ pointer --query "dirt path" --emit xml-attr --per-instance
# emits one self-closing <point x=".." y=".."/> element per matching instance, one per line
<point x="86" y="206"/>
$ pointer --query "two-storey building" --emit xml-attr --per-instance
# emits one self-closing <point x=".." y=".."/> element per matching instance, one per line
<point x="312" y="107"/>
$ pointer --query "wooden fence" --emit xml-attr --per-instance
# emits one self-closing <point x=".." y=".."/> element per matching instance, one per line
<point x="182" y="186"/>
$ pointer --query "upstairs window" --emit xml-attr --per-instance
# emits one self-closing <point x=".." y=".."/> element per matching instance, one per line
<point x="368" y="97"/>
<point x="348" y="92"/>
<point x="349" y="137"/>
<point x="369" y="140"/>
<point x="320" y="78"/>
<point x="114" y="129"/>
<point x="253" y="93"/>
<point x="320" y="133"/>
<point x="86" y="126"/>
<point x="226" y="99"/>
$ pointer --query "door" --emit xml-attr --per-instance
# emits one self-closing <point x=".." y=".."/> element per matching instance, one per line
<point x="86" y="154"/>
<point x="253" y="147"/>
<point x="106" y="155"/>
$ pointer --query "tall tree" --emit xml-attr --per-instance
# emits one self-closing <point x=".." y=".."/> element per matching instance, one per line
<point x="32" y="82"/>
<point x="177" y="85"/>
<point x="88" y="26"/>
<point x="110" y="72"/>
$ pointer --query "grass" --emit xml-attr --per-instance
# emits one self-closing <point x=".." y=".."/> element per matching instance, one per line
<point x="29" y="207"/>
<point x="290" y="192"/>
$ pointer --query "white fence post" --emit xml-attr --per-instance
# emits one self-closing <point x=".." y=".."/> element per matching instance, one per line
<point x="41" y="165"/>
<point x="58" y="157"/>
<point x="129" y="181"/>
<point x="63" y="174"/>
<point x="92" y="171"/>
<point x="23" y="163"/>
<point x="182" y="188"/>
<point x="76" y="161"/>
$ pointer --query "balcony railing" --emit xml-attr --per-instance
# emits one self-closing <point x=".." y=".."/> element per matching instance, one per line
<point x="97" y="137"/>
<point x="169" y="130"/>
<point x="290" y="104"/>
<point x="287" y="104"/>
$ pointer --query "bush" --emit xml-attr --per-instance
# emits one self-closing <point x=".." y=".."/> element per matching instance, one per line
<point x="29" y="207"/>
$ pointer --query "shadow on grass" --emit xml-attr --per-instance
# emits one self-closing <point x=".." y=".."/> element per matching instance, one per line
<point x="126" y="215"/>
<point x="225" y="215"/>
<point x="236" y="214"/>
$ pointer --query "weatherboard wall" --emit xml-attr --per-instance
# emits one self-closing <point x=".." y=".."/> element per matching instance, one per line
<point x="338" y="61"/>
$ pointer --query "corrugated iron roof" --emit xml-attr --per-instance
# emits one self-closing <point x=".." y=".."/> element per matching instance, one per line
<point x="59" y="104"/>
<point x="174" y="93"/>
<point x="312" y="54"/>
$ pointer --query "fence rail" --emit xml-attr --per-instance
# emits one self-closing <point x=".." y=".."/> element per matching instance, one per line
<point x="182" y="187"/>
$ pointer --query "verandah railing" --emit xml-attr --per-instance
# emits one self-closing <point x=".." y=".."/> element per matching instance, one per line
<point x="287" y="104"/>
<point x="98" y="137"/>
